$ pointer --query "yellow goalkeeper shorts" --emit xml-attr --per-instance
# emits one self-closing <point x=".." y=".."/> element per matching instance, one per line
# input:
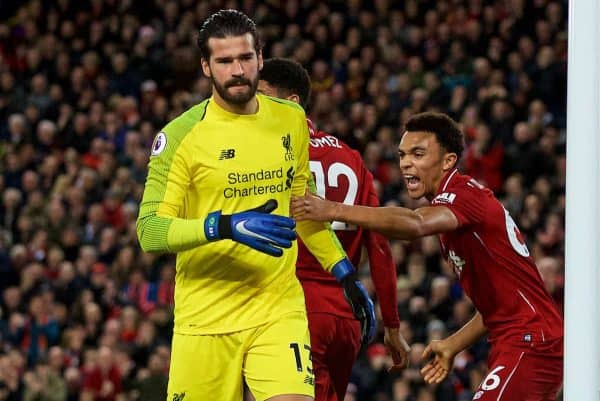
<point x="273" y="359"/>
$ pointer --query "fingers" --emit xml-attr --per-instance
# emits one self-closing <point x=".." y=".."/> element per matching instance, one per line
<point x="426" y="352"/>
<point x="307" y="207"/>
<point x="369" y="311"/>
<point x="280" y="242"/>
<point x="399" y="362"/>
<point x="282" y="239"/>
<point x="277" y="221"/>
<point x="398" y="367"/>
<point x="428" y="369"/>
<point x="270" y="206"/>
<point x="364" y="325"/>
<point x="437" y="369"/>
<point x="279" y="235"/>
<point x="367" y="326"/>
<point x="399" y="356"/>
<point x="266" y="207"/>
<point x="434" y="373"/>
<point x="362" y="315"/>
<point x="268" y="248"/>
<point x="298" y="207"/>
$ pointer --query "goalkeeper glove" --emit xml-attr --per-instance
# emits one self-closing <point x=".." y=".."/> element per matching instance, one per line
<point x="256" y="228"/>
<point x="357" y="297"/>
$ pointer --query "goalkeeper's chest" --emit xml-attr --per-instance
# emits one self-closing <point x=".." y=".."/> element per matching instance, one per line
<point x="240" y="164"/>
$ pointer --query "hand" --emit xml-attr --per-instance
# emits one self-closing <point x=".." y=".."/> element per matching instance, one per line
<point x="438" y="368"/>
<point x="312" y="207"/>
<point x="397" y="347"/>
<point x="357" y="297"/>
<point x="256" y="228"/>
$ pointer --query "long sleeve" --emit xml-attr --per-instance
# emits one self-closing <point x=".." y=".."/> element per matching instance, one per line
<point x="383" y="270"/>
<point x="159" y="227"/>
<point x="321" y="242"/>
<point x="384" y="277"/>
<point x="318" y="237"/>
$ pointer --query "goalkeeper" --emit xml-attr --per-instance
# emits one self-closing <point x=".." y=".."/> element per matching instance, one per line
<point x="220" y="180"/>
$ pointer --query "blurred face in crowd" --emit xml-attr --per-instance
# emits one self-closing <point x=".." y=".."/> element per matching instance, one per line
<point x="423" y="162"/>
<point x="233" y="67"/>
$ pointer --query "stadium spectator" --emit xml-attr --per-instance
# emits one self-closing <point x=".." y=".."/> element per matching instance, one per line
<point x="56" y="96"/>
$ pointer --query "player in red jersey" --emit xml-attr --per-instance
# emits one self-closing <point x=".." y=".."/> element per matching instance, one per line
<point x="483" y="243"/>
<point x="340" y="175"/>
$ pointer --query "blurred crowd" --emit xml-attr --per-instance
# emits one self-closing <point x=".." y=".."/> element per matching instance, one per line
<point x="85" y="86"/>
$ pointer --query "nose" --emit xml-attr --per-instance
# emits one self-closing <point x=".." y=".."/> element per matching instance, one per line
<point x="404" y="163"/>
<point x="238" y="69"/>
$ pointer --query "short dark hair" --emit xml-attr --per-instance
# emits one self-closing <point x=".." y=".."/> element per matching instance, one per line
<point x="446" y="130"/>
<point x="226" y="23"/>
<point x="288" y="77"/>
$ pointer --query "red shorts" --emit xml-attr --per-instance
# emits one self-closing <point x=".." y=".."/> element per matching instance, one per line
<point x="334" y="344"/>
<point x="523" y="374"/>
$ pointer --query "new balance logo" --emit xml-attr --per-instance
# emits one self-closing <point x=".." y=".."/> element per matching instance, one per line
<point x="309" y="380"/>
<point x="178" y="396"/>
<point x="227" y="154"/>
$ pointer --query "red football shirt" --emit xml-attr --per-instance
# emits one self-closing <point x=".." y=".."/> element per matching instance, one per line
<point x="340" y="175"/>
<point x="494" y="265"/>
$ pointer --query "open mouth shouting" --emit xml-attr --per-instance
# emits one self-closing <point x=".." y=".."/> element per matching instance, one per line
<point x="412" y="182"/>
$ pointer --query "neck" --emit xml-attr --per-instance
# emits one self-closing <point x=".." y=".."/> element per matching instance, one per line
<point x="250" y="107"/>
<point x="438" y="184"/>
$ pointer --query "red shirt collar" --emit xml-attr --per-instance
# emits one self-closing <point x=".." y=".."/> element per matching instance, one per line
<point x="311" y="127"/>
<point x="448" y="177"/>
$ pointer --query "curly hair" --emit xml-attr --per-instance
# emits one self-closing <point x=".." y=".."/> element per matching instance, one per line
<point x="446" y="130"/>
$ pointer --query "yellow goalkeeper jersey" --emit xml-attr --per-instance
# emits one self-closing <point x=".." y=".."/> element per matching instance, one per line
<point x="209" y="159"/>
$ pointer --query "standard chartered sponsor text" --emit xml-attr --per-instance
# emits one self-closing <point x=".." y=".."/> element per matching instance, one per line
<point x="255" y="188"/>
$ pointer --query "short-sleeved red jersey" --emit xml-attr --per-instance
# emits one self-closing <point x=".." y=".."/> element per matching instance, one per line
<point x="494" y="265"/>
<point x="340" y="175"/>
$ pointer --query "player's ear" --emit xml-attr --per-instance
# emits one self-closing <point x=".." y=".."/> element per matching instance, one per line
<point x="450" y="160"/>
<point x="294" y="98"/>
<point x="205" y="67"/>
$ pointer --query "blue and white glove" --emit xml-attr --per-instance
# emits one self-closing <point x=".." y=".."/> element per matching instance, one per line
<point x="357" y="297"/>
<point x="256" y="228"/>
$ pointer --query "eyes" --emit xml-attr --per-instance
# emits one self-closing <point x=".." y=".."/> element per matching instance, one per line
<point x="229" y="60"/>
<point x="417" y="154"/>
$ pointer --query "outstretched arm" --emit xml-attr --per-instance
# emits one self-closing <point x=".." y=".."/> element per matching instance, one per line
<point x="394" y="222"/>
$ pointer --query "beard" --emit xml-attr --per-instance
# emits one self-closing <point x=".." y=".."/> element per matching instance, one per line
<point x="240" y="98"/>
